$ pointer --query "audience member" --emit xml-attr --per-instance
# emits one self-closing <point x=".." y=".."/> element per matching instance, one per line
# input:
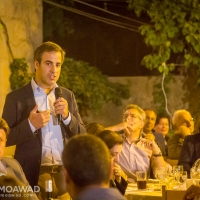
<point x="114" y="143"/>
<point x="40" y="122"/>
<point x="148" y="129"/>
<point x="88" y="169"/>
<point x="94" y="128"/>
<point x="183" y="125"/>
<point x="162" y="126"/>
<point x="197" y="125"/>
<point x="150" y="121"/>
<point x="193" y="193"/>
<point x="138" y="153"/>
<point x="190" y="152"/>
<point x="11" y="173"/>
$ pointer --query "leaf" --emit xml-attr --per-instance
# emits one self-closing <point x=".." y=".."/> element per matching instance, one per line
<point x="187" y="56"/>
<point x="168" y="43"/>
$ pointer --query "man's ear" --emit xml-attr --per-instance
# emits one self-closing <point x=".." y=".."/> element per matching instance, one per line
<point x="111" y="168"/>
<point x="67" y="177"/>
<point x="36" y="64"/>
<point x="142" y="124"/>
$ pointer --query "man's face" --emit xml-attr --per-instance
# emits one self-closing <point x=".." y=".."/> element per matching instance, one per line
<point x="150" y="121"/>
<point x="48" y="71"/>
<point x="132" y="117"/>
<point x="189" y="122"/>
<point x="162" y="127"/>
<point x="2" y="142"/>
<point x="115" y="151"/>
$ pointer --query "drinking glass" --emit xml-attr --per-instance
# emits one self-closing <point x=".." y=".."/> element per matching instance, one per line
<point x="161" y="175"/>
<point x="141" y="180"/>
<point x="177" y="170"/>
<point x="182" y="178"/>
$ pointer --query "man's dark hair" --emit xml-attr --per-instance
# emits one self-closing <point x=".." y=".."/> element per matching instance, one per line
<point x="4" y="126"/>
<point x="94" y="128"/>
<point x="110" y="138"/>
<point x="47" y="47"/>
<point x="87" y="160"/>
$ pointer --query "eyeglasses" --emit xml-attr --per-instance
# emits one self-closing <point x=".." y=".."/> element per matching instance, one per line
<point x="192" y="119"/>
<point x="132" y="116"/>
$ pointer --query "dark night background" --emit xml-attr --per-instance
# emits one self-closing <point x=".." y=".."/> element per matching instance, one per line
<point x="113" y="50"/>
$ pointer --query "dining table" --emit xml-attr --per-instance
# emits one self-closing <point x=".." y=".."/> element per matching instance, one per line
<point x="152" y="192"/>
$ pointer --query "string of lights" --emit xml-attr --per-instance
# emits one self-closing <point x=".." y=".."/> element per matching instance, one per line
<point x="96" y="17"/>
<point x="109" y="12"/>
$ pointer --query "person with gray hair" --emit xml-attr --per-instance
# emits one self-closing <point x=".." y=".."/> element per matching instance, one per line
<point x="183" y="125"/>
<point x="139" y="153"/>
<point x="88" y="169"/>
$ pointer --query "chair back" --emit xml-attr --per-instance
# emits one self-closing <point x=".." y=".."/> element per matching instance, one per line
<point x="172" y="162"/>
<point x="172" y="194"/>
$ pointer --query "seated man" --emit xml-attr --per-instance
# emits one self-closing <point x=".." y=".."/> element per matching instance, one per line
<point x="151" y="119"/>
<point x="114" y="143"/>
<point x="88" y="169"/>
<point x="138" y="153"/>
<point x="193" y="193"/>
<point x="183" y="125"/>
<point x="190" y="152"/>
<point x="10" y="168"/>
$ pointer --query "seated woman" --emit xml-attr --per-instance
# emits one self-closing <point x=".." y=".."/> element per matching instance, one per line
<point x="114" y="143"/>
<point x="162" y="128"/>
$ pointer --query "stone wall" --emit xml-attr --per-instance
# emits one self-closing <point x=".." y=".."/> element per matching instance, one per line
<point x="20" y="33"/>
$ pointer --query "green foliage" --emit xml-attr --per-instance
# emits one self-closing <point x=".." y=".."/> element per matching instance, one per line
<point x="173" y="29"/>
<point x="92" y="89"/>
<point x="57" y="24"/>
<point x="19" y="73"/>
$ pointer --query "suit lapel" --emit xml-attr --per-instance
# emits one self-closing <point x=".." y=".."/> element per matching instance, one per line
<point x="31" y="104"/>
<point x="197" y="146"/>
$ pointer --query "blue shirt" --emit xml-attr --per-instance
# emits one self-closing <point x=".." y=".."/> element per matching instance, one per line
<point x="52" y="140"/>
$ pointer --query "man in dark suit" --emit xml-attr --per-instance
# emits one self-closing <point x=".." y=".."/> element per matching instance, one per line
<point x="31" y="113"/>
<point x="190" y="152"/>
<point x="149" y="126"/>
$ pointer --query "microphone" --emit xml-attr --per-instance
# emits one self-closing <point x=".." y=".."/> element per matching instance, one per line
<point x="58" y="93"/>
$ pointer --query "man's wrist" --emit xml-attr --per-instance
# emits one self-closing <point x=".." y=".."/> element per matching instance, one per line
<point x="157" y="154"/>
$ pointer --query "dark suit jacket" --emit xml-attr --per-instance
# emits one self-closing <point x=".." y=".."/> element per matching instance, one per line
<point x="18" y="105"/>
<point x="120" y="186"/>
<point x="190" y="151"/>
<point x="161" y="143"/>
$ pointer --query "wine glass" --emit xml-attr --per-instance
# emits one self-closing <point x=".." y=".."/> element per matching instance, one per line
<point x="177" y="170"/>
<point x="170" y="178"/>
<point x="182" y="178"/>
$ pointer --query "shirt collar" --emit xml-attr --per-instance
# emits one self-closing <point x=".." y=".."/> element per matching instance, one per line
<point x="36" y="88"/>
<point x="140" y="137"/>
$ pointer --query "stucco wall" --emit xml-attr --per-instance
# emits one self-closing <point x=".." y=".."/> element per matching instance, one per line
<point x="21" y="28"/>
<point x="143" y="91"/>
